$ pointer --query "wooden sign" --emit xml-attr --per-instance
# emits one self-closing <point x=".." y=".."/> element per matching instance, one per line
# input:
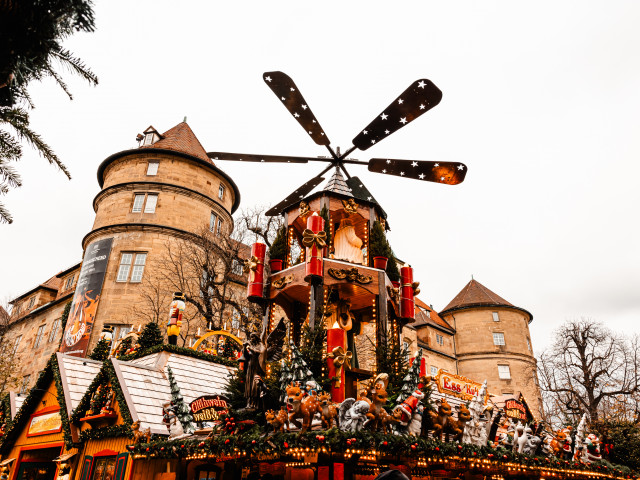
<point x="515" y="409"/>
<point x="208" y="408"/>
<point x="44" y="423"/>
<point x="458" y="386"/>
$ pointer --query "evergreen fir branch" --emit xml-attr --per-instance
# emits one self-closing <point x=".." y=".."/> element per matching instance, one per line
<point x="9" y="175"/>
<point x="75" y="64"/>
<point x="10" y="149"/>
<point x="59" y="81"/>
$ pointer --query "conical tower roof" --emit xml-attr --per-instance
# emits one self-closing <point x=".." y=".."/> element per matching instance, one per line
<point x="336" y="184"/>
<point x="474" y="294"/>
<point x="181" y="139"/>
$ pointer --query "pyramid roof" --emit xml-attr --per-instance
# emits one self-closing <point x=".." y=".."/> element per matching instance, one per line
<point x="474" y="294"/>
<point x="181" y="139"/>
<point x="336" y="184"/>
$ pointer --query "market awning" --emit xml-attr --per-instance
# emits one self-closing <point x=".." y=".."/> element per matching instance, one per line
<point x="6" y="462"/>
<point x="63" y="458"/>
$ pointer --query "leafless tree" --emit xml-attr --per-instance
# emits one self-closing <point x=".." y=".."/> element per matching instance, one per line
<point x="589" y="369"/>
<point x="208" y="269"/>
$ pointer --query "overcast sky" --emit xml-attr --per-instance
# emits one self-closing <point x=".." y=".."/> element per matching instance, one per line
<point x="541" y="102"/>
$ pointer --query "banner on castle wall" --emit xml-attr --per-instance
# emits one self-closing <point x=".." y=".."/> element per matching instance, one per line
<point x="86" y="298"/>
<point x="458" y="386"/>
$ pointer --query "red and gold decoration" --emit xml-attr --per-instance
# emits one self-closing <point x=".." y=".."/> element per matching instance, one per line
<point x="408" y="290"/>
<point x="254" y="267"/>
<point x="336" y="358"/>
<point x="314" y="238"/>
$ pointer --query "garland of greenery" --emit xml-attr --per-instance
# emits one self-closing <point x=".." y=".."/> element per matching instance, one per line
<point x="66" y="426"/>
<point x="5" y="405"/>
<point x="254" y="442"/>
<point x="187" y="352"/>
<point x="106" y="432"/>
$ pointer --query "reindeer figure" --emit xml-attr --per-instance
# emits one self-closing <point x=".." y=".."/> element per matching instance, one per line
<point x="440" y="419"/>
<point x="279" y="420"/>
<point x="139" y="435"/>
<point x="303" y="406"/>
<point x="329" y="410"/>
<point x="456" y="427"/>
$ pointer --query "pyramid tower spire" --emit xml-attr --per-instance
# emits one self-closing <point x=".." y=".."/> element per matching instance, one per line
<point x="337" y="184"/>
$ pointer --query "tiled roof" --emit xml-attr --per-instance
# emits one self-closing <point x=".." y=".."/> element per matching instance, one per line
<point x="145" y="384"/>
<point x="76" y="374"/>
<point x="423" y="319"/>
<point x="181" y="139"/>
<point x="475" y="294"/>
<point x="337" y="184"/>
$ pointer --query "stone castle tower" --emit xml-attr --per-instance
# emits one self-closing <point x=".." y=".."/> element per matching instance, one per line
<point x="493" y="342"/>
<point x="167" y="188"/>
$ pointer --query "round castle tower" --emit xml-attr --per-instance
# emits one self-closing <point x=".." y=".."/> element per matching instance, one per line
<point x="493" y="343"/>
<point x="165" y="189"/>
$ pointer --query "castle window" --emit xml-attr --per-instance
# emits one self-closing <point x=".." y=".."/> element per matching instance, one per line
<point x="434" y="371"/>
<point x="36" y="343"/>
<point x="138" y="202"/>
<point x="25" y="384"/>
<point x="439" y="339"/>
<point x="32" y="301"/>
<point x="219" y="227"/>
<point x="152" y="168"/>
<point x="54" y="330"/>
<point x="152" y="201"/>
<point x="69" y="282"/>
<point x="15" y="344"/>
<point x="496" y="318"/>
<point x="213" y="220"/>
<point x="503" y="372"/>
<point x="221" y="192"/>
<point x="125" y="267"/>
<point x="428" y="314"/>
<point x="149" y="205"/>
<point x="148" y="139"/>
<point x="528" y="344"/>
<point x="498" y="338"/>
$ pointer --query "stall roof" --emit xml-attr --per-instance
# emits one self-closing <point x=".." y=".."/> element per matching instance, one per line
<point x="76" y="374"/>
<point x="144" y="382"/>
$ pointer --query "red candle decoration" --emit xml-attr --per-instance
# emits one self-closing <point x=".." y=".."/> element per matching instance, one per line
<point x="254" y="266"/>
<point x="336" y="337"/>
<point x="314" y="239"/>
<point x="407" y="303"/>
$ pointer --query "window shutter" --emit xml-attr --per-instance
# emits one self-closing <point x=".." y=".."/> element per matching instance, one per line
<point x="121" y="466"/>
<point x="86" y="467"/>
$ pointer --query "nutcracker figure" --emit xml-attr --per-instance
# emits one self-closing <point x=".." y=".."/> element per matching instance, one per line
<point x="175" y="318"/>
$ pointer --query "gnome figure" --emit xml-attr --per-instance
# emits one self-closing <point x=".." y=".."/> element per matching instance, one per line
<point x="408" y="406"/>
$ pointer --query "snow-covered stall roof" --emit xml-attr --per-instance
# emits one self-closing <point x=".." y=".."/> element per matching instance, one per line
<point x="145" y="384"/>
<point x="76" y="374"/>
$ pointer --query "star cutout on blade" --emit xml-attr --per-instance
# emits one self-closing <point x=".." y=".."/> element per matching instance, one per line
<point x="373" y="141"/>
<point x="403" y="120"/>
<point x="436" y="165"/>
<point x="422" y="107"/>
<point x="414" y="164"/>
<point x="387" y="132"/>
<point x="364" y="132"/>
<point x="400" y="101"/>
<point x="384" y="116"/>
<point x="368" y="198"/>
<point x="402" y="174"/>
<point x="304" y="107"/>
<point x="388" y="162"/>
<point x="421" y="176"/>
<point x="384" y="170"/>
<point x="421" y="84"/>
<point x="267" y="78"/>
<point x="282" y="98"/>
<point x="310" y="132"/>
<point x="296" y="115"/>
<point x="460" y="167"/>
<point x="292" y="89"/>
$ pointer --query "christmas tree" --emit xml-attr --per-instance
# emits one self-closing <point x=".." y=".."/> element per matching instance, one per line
<point x="229" y="349"/>
<point x="411" y="379"/>
<point x="394" y="362"/>
<point x="99" y="399"/>
<point x="181" y="409"/>
<point x="150" y="336"/>
<point x="300" y="371"/>
<point x="285" y="380"/>
<point x="101" y="350"/>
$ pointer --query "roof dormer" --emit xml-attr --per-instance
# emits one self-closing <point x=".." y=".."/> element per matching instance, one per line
<point x="149" y="137"/>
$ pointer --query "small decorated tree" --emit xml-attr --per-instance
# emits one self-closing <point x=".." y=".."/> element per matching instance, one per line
<point x="99" y="400"/>
<point x="181" y="408"/>
<point x="229" y="348"/>
<point x="278" y="250"/>
<point x="101" y="350"/>
<point x="392" y="268"/>
<point x="378" y="246"/>
<point x="150" y="336"/>
<point x="300" y="371"/>
<point x="285" y="379"/>
<point x="411" y="379"/>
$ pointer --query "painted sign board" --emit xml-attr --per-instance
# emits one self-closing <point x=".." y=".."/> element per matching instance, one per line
<point x="208" y="408"/>
<point x="458" y="386"/>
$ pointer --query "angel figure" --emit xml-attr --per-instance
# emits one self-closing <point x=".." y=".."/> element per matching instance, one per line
<point x="347" y="244"/>
<point x="259" y="350"/>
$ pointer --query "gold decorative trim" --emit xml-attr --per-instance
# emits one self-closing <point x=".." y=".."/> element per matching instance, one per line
<point x="351" y="275"/>
<point x="281" y="282"/>
<point x="350" y="206"/>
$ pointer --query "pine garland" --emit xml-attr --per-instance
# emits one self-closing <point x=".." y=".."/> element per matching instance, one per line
<point x="106" y="432"/>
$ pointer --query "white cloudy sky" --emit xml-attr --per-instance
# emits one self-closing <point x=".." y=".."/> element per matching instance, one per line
<point x="541" y="101"/>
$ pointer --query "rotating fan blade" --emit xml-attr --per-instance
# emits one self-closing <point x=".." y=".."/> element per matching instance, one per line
<point x="421" y="96"/>
<point x="301" y="192"/>
<point x="287" y="91"/>
<point x="449" y="173"/>
<point x="251" y="157"/>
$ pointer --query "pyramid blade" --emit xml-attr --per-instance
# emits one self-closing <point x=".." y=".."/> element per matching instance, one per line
<point x="449" y="173"/>
<point x="421" y="96"/>
<point x="297" y="195"/>
<point x="288" y="93"/>
<point x="252" y="157"/>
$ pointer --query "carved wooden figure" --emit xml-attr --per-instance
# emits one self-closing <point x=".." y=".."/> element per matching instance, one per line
<point x="302" y="406"/>
<point x="441" y="418"/>
<point x="279" y="420"/>
<point x="329" y="410"/>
